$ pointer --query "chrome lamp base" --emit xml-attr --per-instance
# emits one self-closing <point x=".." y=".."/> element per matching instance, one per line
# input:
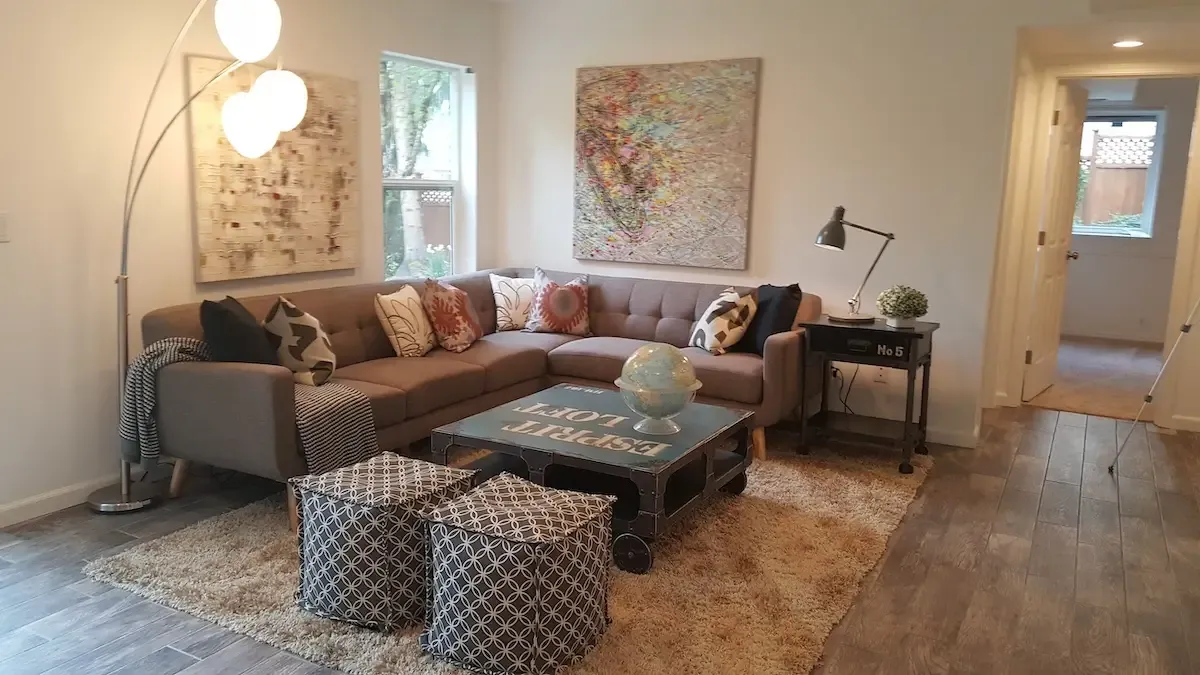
<point x="126" y="496"/>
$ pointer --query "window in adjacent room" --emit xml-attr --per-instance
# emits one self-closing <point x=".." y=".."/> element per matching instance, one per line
<point x="421" y="134"/>
<point x="1118" y="174"/>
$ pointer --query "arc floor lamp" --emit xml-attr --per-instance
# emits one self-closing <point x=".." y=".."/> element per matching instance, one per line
<point x="252" y="122"/>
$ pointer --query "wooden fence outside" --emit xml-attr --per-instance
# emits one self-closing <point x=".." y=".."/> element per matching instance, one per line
<point x="1116" y="178"/>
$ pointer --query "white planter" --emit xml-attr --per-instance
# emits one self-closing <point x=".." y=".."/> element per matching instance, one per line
<point x="896" y="322"/>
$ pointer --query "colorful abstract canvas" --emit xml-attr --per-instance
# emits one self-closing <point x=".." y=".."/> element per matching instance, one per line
<point x="664" y="156"/>
<point x="295" y="209"/>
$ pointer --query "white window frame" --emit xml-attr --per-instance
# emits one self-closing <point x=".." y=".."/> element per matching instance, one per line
<point x="454" y="185"/>
<point x="1146" y="230"/>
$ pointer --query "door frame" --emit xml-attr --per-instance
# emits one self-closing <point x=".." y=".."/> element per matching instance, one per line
<point x="1010" y="314"/>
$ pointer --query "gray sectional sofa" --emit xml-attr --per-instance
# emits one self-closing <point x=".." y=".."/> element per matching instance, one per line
<point x="241" y="416"/>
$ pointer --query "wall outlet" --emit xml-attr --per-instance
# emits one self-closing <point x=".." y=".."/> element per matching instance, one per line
<point x="4" y="228"/>
<point x="881" y="375"/>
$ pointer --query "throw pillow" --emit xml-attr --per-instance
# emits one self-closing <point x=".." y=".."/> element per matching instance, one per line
<point x="776" y="313"/>
<point x="454" y="320"/>
<point x="404" y="322"/>
<point x="513" y="298"/>
<point x="559" y="308"/>
<point x="725" y="321"/>
<point x="233" y="334"/>
<point x="302" y="345"/>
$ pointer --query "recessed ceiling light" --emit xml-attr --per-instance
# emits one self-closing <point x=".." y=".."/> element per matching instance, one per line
<point x="1128" y="44"/>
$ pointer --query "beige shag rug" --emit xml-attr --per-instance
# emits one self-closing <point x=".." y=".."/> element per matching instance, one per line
<point x="749" y="584"/>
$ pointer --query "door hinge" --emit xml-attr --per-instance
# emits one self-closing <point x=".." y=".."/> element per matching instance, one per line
<point x="1042" y="238"/>
<point x="1028" y="357"/>
<point x="1054" y="123"/>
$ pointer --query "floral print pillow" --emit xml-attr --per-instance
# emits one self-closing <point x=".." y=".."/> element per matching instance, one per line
<point x="513" y="300"/>
<point x="454" y="320"/>
<point x="559" y="308"/>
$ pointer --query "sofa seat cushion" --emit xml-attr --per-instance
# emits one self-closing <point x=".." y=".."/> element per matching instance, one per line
<point x="596" y="358"/>
<point x="429" y="383"/>
<point x="388" y="405"/>
<point x="730" y="377"/>
<point x="543" y="341"/>
<point x="504" y="364"/>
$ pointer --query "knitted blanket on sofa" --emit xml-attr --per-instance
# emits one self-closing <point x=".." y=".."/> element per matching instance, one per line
<point x="334" y="422"/>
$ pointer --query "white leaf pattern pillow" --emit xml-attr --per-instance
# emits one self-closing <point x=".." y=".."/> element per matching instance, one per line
<point x="513" y="300"/>
<point x="725" y="321"/>
<point x="404" y="321"/>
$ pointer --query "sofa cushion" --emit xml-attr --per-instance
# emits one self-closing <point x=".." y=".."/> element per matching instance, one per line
<point x="543" y="341"/>
<point x="503" y="364"/>
<point x="403" y="318"/>
<point x="388" y="404"/>
<point x="233" y="334"/>
<point x="597" y="358"/>
<point x="731" y="377"/>
<point x="430" y="383"/>
<point x="301" y="343"/>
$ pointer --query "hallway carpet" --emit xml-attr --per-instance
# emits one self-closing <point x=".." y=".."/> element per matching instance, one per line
<point x="1102" y="377"/>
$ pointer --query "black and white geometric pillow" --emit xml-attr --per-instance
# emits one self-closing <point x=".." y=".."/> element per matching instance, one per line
<point x="518" y="577"/>
<point x="725" y="321"/>
<point x="363" y="538"/>
<point x="301" y="342"/>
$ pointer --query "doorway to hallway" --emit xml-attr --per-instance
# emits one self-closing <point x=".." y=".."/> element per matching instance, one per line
<point x="1102" y="377"/>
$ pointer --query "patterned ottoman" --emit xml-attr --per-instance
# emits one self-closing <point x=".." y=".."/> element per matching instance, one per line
<point x="362" y="538"/>
<point x="518" y="577"/>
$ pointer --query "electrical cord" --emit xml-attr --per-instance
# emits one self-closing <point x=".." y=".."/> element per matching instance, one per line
<point x="845" y="398"/>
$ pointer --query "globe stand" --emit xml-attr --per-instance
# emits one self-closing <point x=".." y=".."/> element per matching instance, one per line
<point x="655" y="427"/>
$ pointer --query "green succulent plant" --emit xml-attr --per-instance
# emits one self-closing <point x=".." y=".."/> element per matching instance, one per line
<point x="903" y="302"/>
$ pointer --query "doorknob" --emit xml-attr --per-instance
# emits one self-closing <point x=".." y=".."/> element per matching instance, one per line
<point x="1072" y="255"/>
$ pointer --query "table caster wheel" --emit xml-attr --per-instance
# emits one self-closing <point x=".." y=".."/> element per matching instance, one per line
<point x="736" y="485"/>
<point x="922" y="449"/>
<point x="632" y="554"/>
<point x="906" y="468"/>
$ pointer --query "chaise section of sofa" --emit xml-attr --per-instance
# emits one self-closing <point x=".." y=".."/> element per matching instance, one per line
<point x="241" y="416"/>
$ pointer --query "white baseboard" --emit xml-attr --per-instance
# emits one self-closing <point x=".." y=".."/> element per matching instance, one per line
<point x="1184" y="423"/>
<point x="955" y="437"/>
<point x="49" y="502"/>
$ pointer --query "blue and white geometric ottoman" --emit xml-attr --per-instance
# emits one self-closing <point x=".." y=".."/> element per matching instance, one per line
<point x="518" y="577"/>
<point x="362" y="538"/>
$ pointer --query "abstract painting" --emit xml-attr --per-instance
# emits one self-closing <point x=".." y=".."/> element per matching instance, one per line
<point x="295" y="209"/>
<point x="664" y="156"/>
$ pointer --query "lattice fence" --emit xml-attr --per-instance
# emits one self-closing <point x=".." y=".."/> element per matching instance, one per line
<point x="437" y="197"/>
<point x="1127" y="152"/>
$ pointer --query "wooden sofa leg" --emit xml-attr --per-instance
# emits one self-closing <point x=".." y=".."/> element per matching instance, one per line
<point x="178" y="475"/>
<point x="293" y="510"/>
<point x="758" y="443"/>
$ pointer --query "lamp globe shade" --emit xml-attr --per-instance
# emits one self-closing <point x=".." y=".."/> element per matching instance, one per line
<point x="283" y="96"/>
<point x="249" y="130"/>
<point x="249" y="29"/>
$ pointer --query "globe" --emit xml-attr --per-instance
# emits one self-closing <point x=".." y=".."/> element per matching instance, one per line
<point x="658" y="382"/>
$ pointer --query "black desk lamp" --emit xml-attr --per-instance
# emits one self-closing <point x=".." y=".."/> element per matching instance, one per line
<point x="833" y="237"/>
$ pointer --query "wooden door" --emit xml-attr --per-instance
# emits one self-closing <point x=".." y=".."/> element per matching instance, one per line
<point x="1054" y="239"/>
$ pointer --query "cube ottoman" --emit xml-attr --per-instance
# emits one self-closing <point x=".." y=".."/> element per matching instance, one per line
<point x="518" y="577"/>
<point x="362" y="538"/>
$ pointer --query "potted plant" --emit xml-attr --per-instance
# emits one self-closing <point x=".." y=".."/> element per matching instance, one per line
<point x="902" y="305"/>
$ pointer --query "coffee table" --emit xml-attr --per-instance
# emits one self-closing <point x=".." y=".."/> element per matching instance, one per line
<point x="582" y="438"/>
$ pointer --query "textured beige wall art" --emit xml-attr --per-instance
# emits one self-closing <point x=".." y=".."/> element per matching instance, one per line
<point x="297" y="208"/>
<point x="663" y="162"/>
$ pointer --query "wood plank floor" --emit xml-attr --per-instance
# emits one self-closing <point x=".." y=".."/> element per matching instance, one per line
<point x="1021" y="556"/>
<point x="1025" y="556"/>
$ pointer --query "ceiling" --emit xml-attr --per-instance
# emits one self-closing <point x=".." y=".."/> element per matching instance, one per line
<point x="1180" y="38"/>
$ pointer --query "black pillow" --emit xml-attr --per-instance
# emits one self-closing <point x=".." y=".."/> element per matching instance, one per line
<point x="777" y="307"/>
<point x="233" y="334"/>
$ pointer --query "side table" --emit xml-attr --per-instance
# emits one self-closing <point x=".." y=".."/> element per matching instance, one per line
<point x="871" y="344"/>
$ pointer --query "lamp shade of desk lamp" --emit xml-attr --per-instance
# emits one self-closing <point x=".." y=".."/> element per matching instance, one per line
<point x="833" y="237"/>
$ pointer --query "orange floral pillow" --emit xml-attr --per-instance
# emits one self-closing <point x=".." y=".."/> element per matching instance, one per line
<point x="454" y="320"/>
<point x="559" y="308"/>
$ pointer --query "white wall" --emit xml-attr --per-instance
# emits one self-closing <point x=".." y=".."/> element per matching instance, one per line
<point x="1121" y="288"/>
<point x="75" y="75"/>
<point x="897" y="109"/>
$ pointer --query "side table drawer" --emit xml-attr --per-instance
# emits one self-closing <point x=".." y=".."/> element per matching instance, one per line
<point x="900" y="350"/>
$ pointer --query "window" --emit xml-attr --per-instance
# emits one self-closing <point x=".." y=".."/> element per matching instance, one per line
<point x="421" y="134"/>
<point x="1118" y="174"/>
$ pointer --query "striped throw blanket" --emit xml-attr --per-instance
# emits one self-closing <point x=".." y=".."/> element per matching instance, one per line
<point x="334" y="421"/>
